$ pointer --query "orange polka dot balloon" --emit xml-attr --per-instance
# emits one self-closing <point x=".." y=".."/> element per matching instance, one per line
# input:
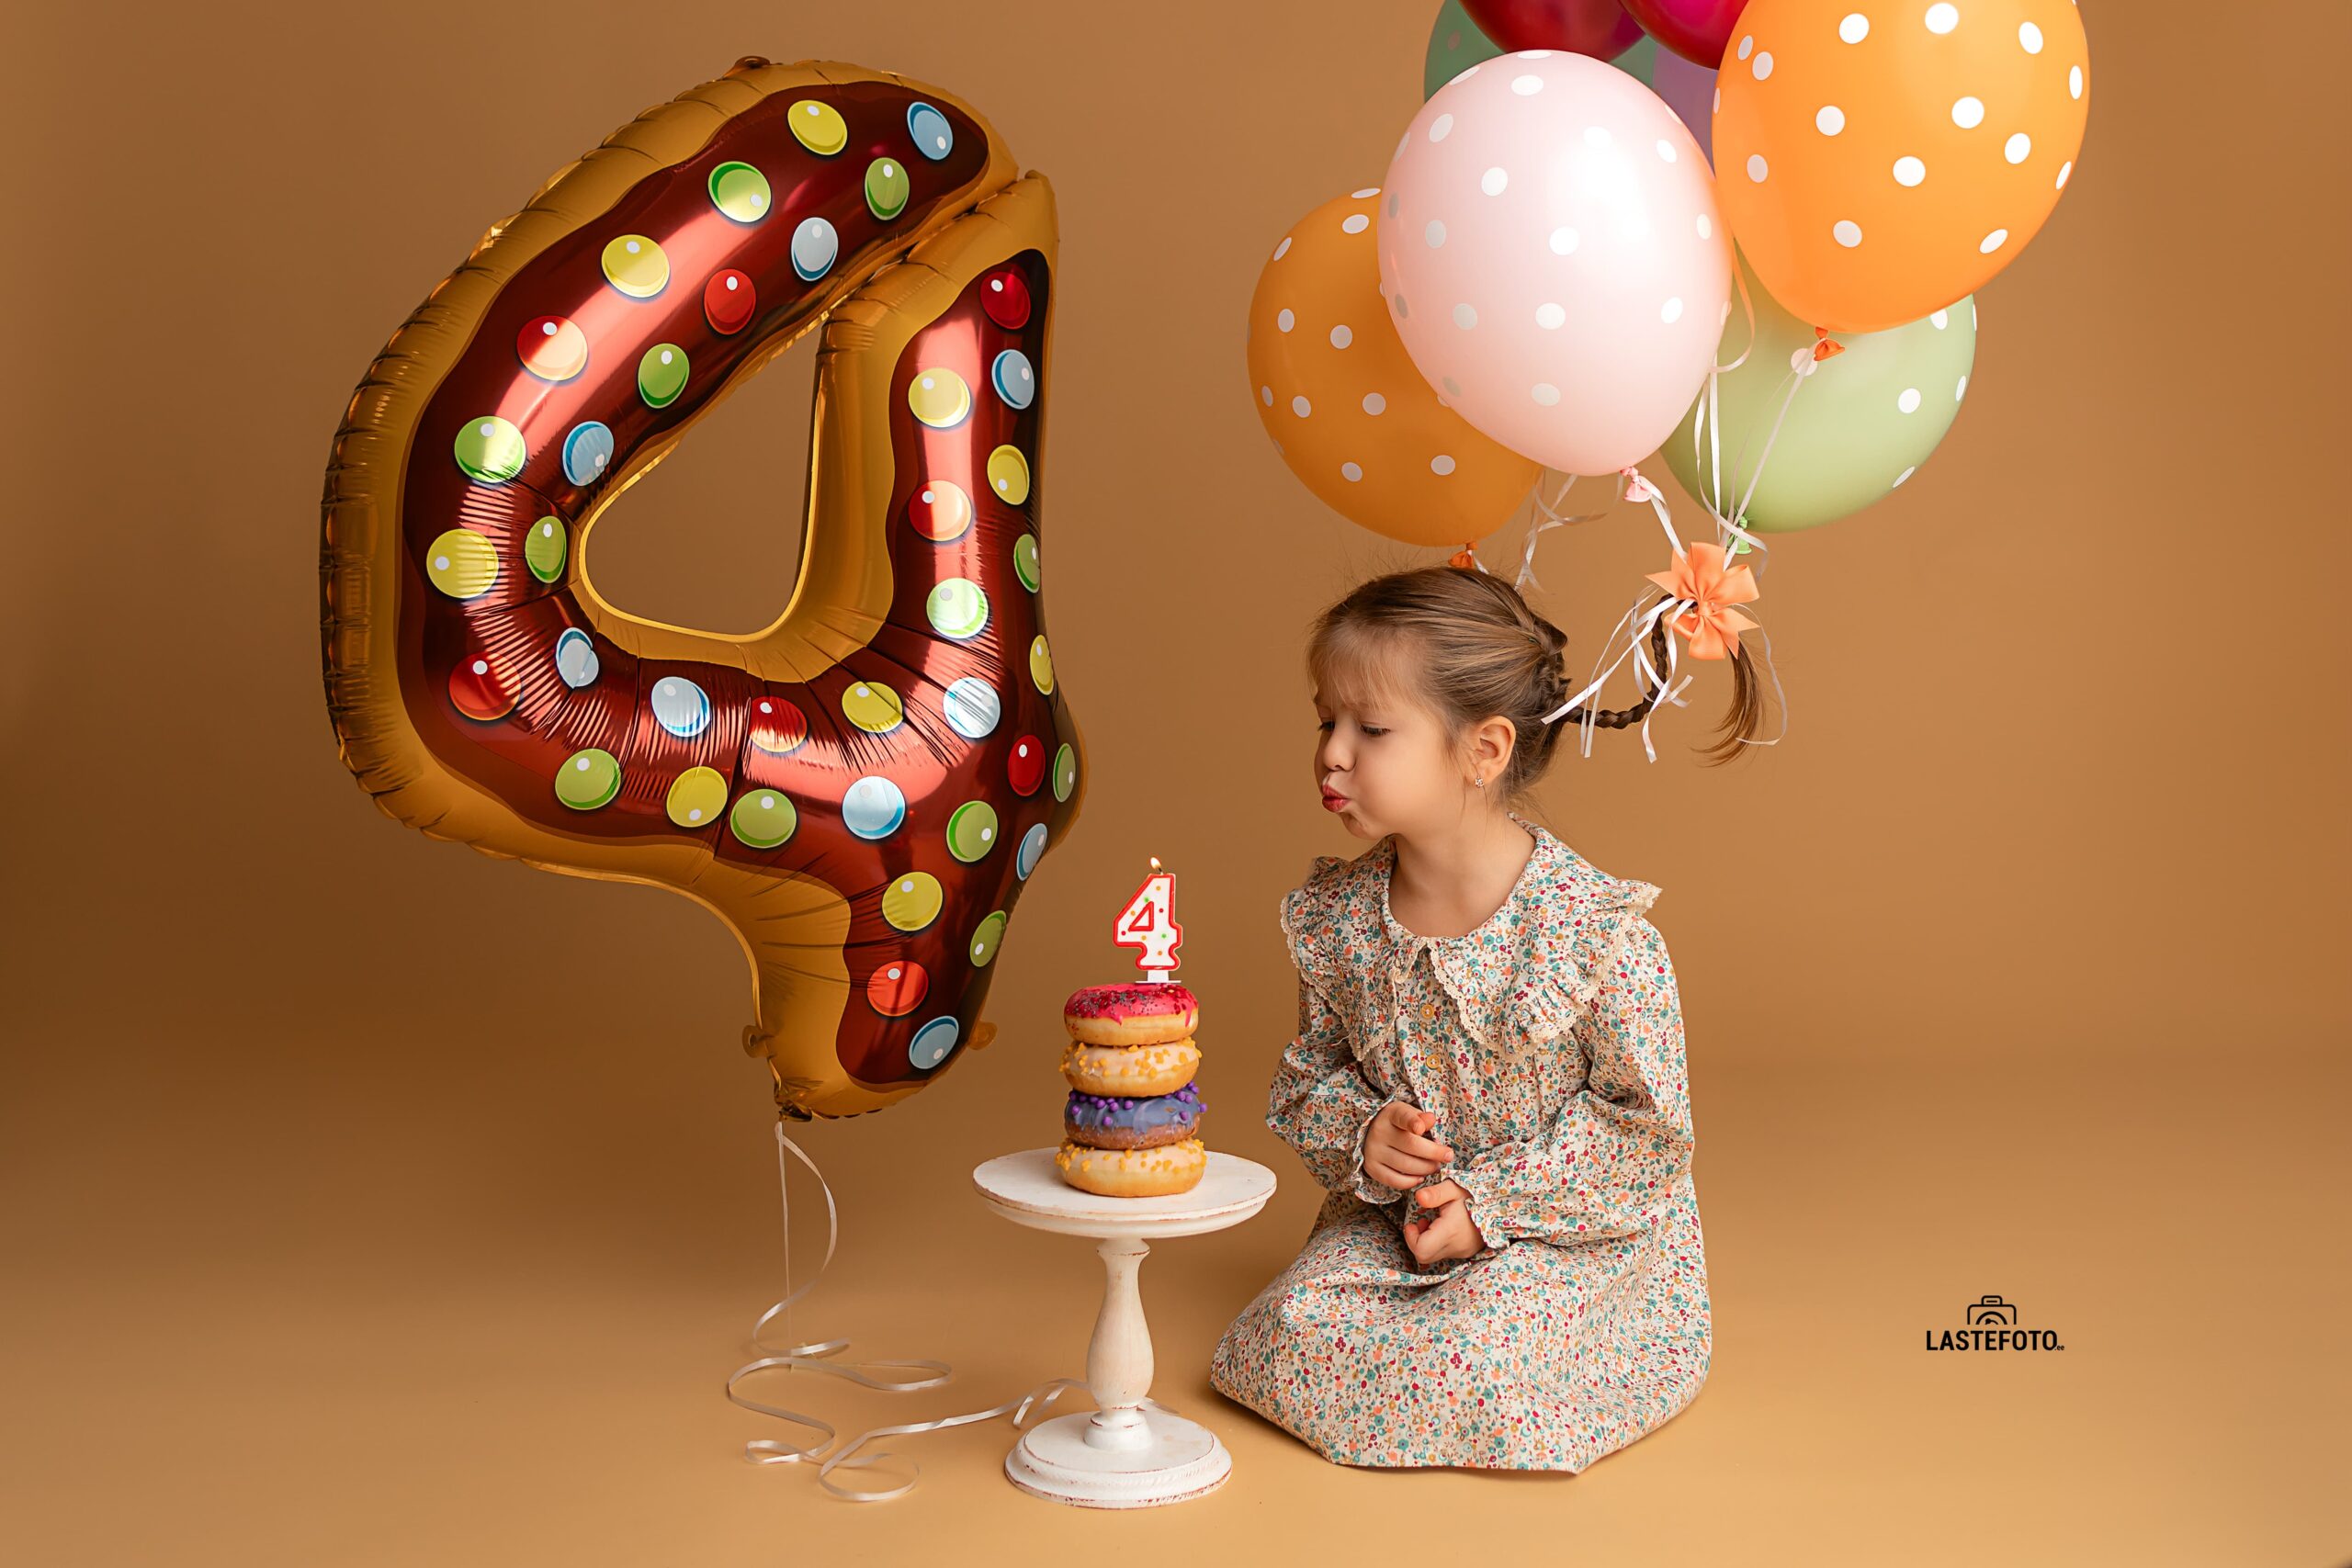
<point x="1881" y="159"/>
<point x="1347" y="410"/>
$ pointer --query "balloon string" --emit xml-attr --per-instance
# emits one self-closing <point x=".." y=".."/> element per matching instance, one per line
<point x="1545" y="515"/>
<point x="810" y="1356"/>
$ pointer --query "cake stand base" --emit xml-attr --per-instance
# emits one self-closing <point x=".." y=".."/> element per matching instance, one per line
<point x="1178" y="1459"/>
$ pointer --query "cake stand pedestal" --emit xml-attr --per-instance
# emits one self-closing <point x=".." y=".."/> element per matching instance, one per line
<point x="1126" y="1454"/>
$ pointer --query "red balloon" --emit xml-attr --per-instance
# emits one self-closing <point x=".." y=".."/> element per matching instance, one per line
<point x="1597" y="27"/>
<point x="1698" y="30"/>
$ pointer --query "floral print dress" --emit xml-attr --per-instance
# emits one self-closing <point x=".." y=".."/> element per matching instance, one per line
<point x="1549" y="1043"/>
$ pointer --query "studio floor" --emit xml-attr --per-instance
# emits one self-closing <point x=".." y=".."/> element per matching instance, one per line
<point x="388" y="1333"/>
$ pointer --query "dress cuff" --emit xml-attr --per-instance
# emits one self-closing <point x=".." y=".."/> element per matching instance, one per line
<point x="1368" y="1190"/>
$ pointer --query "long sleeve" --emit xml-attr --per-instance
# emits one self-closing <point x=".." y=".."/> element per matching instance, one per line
<point x="1322" y="1105"/>
<point x="1605" y="1165"/>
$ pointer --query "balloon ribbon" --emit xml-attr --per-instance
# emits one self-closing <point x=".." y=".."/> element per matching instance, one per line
<point x="810" y="1356"/>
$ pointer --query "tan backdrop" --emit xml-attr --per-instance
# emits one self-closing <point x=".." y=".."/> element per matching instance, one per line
<point x="370" y="1201"/>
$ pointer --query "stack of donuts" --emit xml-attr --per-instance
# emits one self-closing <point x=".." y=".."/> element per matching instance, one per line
<point x="1128" y="1129"/>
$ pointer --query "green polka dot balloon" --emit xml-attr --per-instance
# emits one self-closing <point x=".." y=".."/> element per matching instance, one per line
<point x="1857" y="429"/>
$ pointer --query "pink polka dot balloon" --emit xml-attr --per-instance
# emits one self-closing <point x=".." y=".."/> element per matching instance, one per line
<point x="1553" y="260"/>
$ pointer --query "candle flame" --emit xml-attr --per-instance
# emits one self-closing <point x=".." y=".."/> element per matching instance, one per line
<point x="1155" y="865"/>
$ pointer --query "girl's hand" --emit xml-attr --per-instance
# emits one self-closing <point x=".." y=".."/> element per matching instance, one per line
<point x="1443" y="1228"/>
<point x="1395" y="1152"/>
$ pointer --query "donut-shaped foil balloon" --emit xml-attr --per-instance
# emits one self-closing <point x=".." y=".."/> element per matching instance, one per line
<point x="862" y="789"/>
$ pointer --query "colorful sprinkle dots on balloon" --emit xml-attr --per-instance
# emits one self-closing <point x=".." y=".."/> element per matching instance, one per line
<point x="939" y="511"/>
<point x="462" y="563"/>
<point x="778" y="727"/>
<point x="1040" y="665"/>
<point x="575" y="659"/>
<point x="957" y="608"/>
<point x="698" y="798"/>
<point x="820" y="127"/>
<point x="762" y="819"/>
<point x="872" y="808"/>
<point x="972" y="708"/>
<point x="490" y="449"/>
<point x="971" y="830"/>
<point x="1014" y="379"/>
<point x="985" y="938"/>
<point x="552" y="348"/>
<point x="873" y="707"/>
<point x="587" y="452"/>
<point x="1033" y="847"/>
<point x="913" y="900"/>
<point x="1065" y="772"/>
<point x="680" y="706"/>
<point x="898" y="988"/>
<point x="729" y="302"/>
<point x="661" y="375"/>
<point x="934" y="137"/>
<point x="740" y="191"/>
<point x="636" y="266"/>
<point x="814" y="248"/>
<point x="588" y="779"/>
<point x="544" y="548"/>
<point x="478" y="691"/>
<point x="1004" y="295"/>
<point x="887" y="188"/>
<point x="1027" y="765"/>
<point x="933" y="1042"/>
<point x="1024" y="561"/>
<point x="1009" y="475"/>
<point x="939" y="398"/>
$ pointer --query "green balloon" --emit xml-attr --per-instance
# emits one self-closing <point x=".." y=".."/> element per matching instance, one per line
<point x="1456" y="44"/>
<point x="1858" y="427"/>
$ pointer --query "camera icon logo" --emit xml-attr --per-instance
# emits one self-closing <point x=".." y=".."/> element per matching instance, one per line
<point x="1991" y="1310"/>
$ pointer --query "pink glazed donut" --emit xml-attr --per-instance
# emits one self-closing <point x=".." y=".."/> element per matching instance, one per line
<point x="1145" y="1013"/>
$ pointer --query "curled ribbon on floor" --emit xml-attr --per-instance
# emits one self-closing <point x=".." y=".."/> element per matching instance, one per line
<point x="811" y="1356"/>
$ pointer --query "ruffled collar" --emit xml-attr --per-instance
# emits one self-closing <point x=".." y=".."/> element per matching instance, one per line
<point x="1542" y="864"/>
<point x="1536" y="959"/>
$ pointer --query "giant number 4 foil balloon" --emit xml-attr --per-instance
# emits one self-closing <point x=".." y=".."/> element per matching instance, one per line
<point x="1344" y="405"/>
<point x="1553" y="260"/>
<point x="1859" y="427"/>
<point x="1881" y="161"/>
<point x="862" y="789"/>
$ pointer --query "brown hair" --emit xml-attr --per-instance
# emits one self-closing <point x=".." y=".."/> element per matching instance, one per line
<point x="1475" y="650"/>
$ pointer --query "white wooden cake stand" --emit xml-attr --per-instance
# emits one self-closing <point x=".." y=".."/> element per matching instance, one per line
<point x="1123" y="1455"/>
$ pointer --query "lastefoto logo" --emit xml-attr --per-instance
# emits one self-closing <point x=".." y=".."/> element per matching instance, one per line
<point x="1992" y="1324"/>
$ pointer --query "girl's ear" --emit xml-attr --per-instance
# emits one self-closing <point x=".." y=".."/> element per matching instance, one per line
<point x="1492" y="743"/>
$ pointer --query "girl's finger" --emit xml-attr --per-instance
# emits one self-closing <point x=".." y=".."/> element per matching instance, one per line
<point x="1413" y="1167"/>
<point x="1428" y="1148"/>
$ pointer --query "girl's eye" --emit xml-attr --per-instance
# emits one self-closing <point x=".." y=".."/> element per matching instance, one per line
<point x="1373" y="729"/>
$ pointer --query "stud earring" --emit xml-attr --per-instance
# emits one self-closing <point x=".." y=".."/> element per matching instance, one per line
<point x="1482" y="781"/>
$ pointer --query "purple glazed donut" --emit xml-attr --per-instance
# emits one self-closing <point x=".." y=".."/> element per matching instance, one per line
<point x="1114" y="1121"/>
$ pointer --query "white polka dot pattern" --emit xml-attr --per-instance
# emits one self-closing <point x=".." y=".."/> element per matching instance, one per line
<point x="1345" y="407"/>
<point x="1563" y="194"/>
<point x="1882" y="146"/>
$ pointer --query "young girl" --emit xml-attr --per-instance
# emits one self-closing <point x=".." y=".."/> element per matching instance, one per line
<point x="1508" y="1270"/>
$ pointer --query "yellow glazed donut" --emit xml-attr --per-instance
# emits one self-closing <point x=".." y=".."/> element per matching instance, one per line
<point x="1132" y="1072"/>
<point x="1148" y="1013"/>
<point x="1134" y="1173"/>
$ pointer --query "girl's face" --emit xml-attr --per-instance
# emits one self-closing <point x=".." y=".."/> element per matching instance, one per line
<point x="1384" y="767"/>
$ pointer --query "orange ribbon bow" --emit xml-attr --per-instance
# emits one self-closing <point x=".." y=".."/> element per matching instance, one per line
<point x="1711" y="624"/>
